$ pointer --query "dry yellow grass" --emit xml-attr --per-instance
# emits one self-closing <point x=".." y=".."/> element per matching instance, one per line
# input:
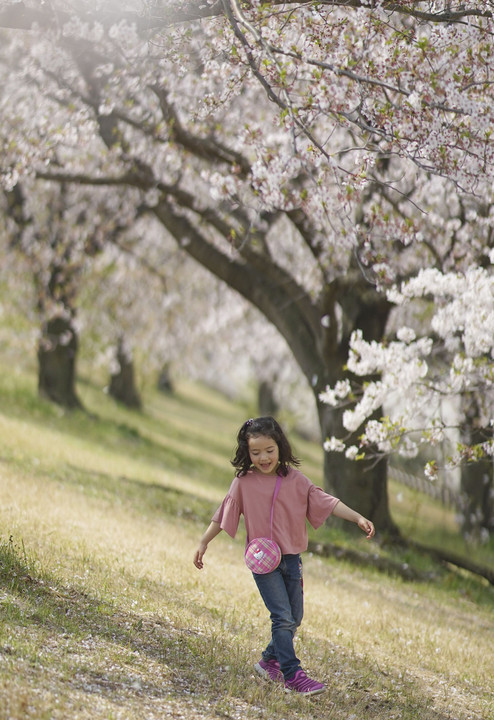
<point x="104" y="616"/>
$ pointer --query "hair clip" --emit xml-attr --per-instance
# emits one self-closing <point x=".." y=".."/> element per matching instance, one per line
<point x="248" y="422"/>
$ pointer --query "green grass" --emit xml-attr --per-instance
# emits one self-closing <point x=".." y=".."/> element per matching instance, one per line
<point x="102" y="614"/>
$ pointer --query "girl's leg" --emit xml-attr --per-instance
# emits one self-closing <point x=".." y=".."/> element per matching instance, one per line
<point x="282" y="592"/>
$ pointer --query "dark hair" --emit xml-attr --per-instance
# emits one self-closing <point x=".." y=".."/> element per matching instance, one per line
<point x="254" y="428"/>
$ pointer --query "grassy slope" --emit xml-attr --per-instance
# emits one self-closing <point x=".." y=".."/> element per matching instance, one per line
<point x="102" y="614"/>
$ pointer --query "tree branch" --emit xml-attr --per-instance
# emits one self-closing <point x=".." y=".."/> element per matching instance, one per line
<point x="267" y="272"/>
<point x="257" y="286"/>
<point x="204" y="147"/>
<point x="20" y="16"/>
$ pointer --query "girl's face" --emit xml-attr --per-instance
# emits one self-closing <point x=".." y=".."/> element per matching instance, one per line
<point x="264" y="454"/>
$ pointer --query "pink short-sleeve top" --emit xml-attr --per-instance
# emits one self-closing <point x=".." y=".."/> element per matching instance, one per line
<point x="298" y="500"/>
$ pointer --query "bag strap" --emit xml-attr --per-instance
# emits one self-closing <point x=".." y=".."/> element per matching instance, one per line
<point x="275" y="495"/>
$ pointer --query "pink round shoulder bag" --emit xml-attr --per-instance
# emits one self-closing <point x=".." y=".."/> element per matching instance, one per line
<point x="262" y="555"/>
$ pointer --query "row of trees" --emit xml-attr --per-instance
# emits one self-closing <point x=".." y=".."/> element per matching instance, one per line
<point x="123" y="291"/>
<point x="310" y="156"/>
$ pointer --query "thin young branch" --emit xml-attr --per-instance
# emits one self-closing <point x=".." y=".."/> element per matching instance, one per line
<point x="206" y="147"/>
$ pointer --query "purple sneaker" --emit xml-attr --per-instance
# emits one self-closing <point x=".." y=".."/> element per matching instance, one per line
<point x="269" y="669"/>
<point x="302" y="684"/>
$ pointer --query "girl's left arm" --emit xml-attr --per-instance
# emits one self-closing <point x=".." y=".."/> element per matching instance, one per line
<point x="346" y="513"/>
<point x="213" y="530"/>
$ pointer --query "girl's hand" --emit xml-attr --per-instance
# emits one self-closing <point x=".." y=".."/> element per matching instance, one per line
<point x="213" y="530"/>
<point x="199" y="555"/>
<point x="367" y="527"/>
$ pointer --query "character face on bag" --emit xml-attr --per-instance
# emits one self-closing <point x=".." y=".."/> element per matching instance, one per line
<point x="264" y="454"/>
<point x="262" y="555"/>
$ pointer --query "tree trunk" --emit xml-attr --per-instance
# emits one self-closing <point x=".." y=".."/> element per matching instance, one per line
<point x="477" y="480"/>
<point x="361" y="485"/>
<point x="165" y="383"/>
<point x="122" y="383"/>
<point x="266" y="400"/>
<point x="57" y="351"/>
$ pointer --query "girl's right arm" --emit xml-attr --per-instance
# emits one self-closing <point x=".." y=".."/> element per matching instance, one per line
<point x="345" y="513"/>
<point x="213" y="530"/>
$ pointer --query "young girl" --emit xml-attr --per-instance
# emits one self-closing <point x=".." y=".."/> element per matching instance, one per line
<point x="263" y="452"/>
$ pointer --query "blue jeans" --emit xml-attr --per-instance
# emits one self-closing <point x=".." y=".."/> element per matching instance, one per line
<point x="283" y="595"/>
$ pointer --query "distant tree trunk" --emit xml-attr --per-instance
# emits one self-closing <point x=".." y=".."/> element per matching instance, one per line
<point x="165" y="384"/>
<point x="267" y="404"/>
<point x="57" y="352"/>
<point x="122" y="383"/>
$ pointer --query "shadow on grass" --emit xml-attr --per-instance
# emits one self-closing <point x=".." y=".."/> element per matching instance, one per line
<point x="163" y="409"/>
<point x="144" y="498"/>
<point x="84" y="627"/>
<point x="175" y="664"/>
<point x="236" y="411"/>
<point x="181" y="455"/>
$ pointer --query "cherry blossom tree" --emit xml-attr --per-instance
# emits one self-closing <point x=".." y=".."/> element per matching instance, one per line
<point x="48" y="236"/>
<point x="135" y="292"/>
<point x="58" y="229"/>
<point x="299" y="152"/>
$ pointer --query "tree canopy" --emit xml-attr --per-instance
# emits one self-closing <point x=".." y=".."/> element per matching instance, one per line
<point x="313" y="156"/>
